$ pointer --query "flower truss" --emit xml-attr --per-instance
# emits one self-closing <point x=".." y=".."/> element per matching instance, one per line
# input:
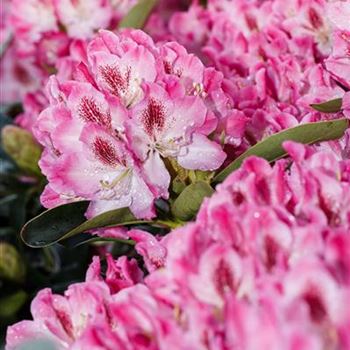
<point x="43" y="34"/>
<point x="110" y="129"/>
<point x="266" y="264"/>
<point x="131" y="118"/>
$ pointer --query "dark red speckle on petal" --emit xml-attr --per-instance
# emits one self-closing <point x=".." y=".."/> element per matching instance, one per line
<point x="315" y="19"/>
<point x="65" y="322"/>
<point x="316" y="307"/>
<point x="89" y="111"/>
<point x="105" y="152"/>
<point x="224" y="278"/>
<point x="271" y="251"/>
<point x="117" y="82"/>
<point x="153" y="117"/>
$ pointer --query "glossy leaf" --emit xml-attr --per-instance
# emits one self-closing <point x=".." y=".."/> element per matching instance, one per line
<point x="271" y="148"/>
<point x="68" y="220"/>
<point x="331" y="106"/>
<point x="189" y="201"/>
<point x="138" y="15"/>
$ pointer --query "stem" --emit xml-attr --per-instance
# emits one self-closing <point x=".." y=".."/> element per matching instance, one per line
<point x="170" y="224"/>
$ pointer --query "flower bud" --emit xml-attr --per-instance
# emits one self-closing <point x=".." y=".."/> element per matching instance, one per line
<point x="11" y="266"/>
<point x="20" y="145"/>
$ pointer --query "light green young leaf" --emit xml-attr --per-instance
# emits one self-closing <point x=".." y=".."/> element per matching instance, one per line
<point x="138" y="15"/>
<point x="189" y="201"/>
<point x="331" y="106"/>
<point x="271" y="148"/>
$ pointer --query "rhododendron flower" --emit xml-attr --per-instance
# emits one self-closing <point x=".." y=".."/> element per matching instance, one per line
<point x="266" y="262"/>
<point x="17" y="77"/>
<point x="107" y="132"/>
<point x="346" y="105"/>
<point x="256" y="268"/>
<point x="63" y="319"/>
<point x="42" y="32"/>
<point x="164" y="125"/>
<point x="121" y="273"/>
<point x="118" y="64"/>
<point x="82" y="18"/>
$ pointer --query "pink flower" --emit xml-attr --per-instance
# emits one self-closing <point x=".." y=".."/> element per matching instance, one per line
<point x="346" y="105"/>
<point x="164" y="125"/>
<point x="33" y="104"/>
<point x="18" y="76"/>
<point x="82" y="18"/>
<point x="62" y="318"/>
<point x="338" y="62"/>
<point x="220" y="274"/>
<point x="31" y="19"/>
<point x="118" y="64"/>
<point x="152" y="251"/>
<point x="111" y="124"/>
<point x="257" y="268"/>
<point x="121" y="273"/>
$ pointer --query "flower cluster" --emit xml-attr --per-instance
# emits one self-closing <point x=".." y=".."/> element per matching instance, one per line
<point x="277" y="57"/>
<point x="109" y="131"/>
<point x="129" y="117"/>
<point x="266" y="265"/>
<point x="40" y="34"/>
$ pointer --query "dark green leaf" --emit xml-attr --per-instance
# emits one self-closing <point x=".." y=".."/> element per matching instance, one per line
<point x="68" y="220"/>
<point x="332" y="106"/>
<point x="50" y="226"/>
<point x="187" y="204"/>
<point x="10" y="304"/>
<point x="138" y="15"/>
<point x="271" y="148"/>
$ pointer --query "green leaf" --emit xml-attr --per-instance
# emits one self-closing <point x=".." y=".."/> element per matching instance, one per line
<point x="178" y="185"/>
<point x="20" y="145"/>
<point x="271" y="148"/>
<point x="11" y="265"/>
<point x="10" y="304"/>
<point x="138" y="15"/>
<point x="68" y="220"/>
<point x="98" y="239"/>
<point x="331" y="106"/>
<point x="189" y="201"/>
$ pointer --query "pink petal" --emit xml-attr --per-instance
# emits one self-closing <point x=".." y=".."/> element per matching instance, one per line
<point x="157" y="174"/>
<point x="202" y="154"/>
